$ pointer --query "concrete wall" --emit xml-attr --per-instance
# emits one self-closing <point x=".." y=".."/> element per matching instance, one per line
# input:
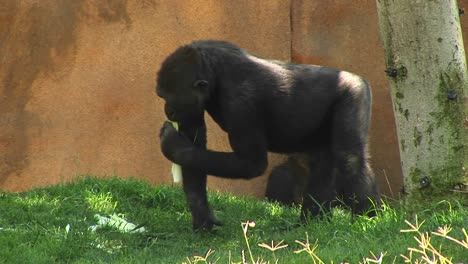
<point x="77" y="79"/>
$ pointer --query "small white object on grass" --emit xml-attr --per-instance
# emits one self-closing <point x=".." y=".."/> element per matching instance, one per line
<point x="176" y="169"/>
<point x="117" y="222"/>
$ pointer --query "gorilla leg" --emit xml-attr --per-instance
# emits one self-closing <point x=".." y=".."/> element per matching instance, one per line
<point x="281" y="185"/>
<point x="321" y="187"/>
<point x="194" y="183"/>
<point x="369" y="198"/>
<point x="350" y="126"/>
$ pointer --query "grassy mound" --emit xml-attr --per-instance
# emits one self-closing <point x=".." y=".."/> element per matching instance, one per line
<point x="60" y="224"/>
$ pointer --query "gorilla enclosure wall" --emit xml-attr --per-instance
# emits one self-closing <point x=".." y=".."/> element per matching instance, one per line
<point x="77" y="80"/>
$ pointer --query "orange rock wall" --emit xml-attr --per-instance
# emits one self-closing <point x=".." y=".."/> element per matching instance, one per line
<point x="77" y="79"/>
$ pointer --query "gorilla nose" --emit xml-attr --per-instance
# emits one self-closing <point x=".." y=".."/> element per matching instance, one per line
<point x="170" y="112"/>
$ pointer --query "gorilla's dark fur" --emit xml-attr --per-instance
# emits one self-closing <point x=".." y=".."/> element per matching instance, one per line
<point x="287" y="182"/>
<point x="265" y="105"/>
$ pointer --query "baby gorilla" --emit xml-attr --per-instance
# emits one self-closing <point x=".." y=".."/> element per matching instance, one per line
<point x="265" y="105"/>
<point x="287" y="182"/>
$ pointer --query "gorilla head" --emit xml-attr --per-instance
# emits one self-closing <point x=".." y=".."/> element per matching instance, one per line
<point x="181" y="84"/>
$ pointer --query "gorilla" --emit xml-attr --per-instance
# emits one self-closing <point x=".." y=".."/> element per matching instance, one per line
<point x="265" y="105"/>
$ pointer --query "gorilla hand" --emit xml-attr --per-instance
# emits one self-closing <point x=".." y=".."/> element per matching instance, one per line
<point x="173" y="142"/>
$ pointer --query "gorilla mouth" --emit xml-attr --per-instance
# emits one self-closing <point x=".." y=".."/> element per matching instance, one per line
<point x="187" y="119"/>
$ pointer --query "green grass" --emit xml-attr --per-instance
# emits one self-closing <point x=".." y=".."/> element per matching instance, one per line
<point x="53" y="225"/>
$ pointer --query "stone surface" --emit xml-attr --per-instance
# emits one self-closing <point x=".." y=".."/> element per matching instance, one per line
<point x="77" y="82"/>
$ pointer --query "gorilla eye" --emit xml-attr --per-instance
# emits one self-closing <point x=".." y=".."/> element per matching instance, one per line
<point x="200" y="83"/>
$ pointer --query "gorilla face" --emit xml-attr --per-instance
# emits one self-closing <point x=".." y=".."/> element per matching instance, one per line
<point x="182" y="106"/>
<point x="184" y="93"/>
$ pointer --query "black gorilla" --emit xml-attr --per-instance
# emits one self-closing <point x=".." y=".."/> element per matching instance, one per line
<point x="287" y="182"/>
<point x="265" y="105"/>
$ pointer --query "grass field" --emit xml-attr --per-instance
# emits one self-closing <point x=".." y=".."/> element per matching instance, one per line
<point x="55" y="225"/>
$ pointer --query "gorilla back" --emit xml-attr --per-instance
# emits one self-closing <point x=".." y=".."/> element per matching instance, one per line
<point x="265" y="105"/>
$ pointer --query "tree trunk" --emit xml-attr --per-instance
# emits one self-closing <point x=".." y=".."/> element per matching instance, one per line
<point x="426" y="69"/>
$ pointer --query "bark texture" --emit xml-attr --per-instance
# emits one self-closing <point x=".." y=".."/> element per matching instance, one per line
<point x="426" y="69"/>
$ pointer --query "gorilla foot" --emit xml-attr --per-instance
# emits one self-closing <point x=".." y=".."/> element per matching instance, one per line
<point x="205" y="222"/>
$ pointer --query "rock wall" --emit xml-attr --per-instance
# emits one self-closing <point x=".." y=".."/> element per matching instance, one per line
<point x="77" y="82"/>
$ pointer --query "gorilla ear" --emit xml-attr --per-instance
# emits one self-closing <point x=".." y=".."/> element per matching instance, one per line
<point x="200" y="84"/>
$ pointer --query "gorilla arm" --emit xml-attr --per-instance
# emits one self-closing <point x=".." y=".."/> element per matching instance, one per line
<point x="248" y="160"/>
<point x="194" y="181"/>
